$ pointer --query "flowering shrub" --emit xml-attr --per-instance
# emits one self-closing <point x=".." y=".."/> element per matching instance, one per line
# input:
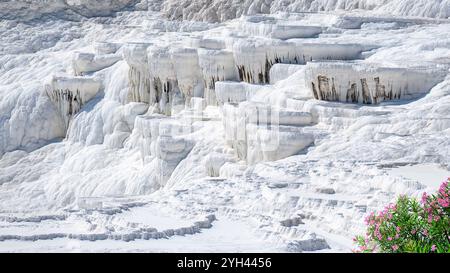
<point x="410" y="226"/>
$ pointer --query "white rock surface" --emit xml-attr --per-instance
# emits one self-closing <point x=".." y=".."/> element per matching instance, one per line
<point x="175" y="121"/>
<point x="23" y="9"/>
<point x="69" y="94"/>
<point x="222" y="10"/>
<point x="369" y="83"/>
<point x="88" y="62"/>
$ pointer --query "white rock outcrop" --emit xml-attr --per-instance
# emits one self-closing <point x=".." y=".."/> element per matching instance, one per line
<point x="89" y="62"/>
<point x="69" y="94"/>
<point x="216" y="65"/>
<point x="270" y="133"/>
<point x="222" y="10"/>
<point x="135" y="54"/>
<point x="369" y="83"/>
<point x="31" y="9"/>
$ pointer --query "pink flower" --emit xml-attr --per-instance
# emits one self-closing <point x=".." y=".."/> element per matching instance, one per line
<point x="443" y="187"/>
<point x="395" y="247"/>
<point x="389" y="238"/>
<point x="369" y="218"/>
<point x="413" y="231"/>
<point x="397" y="229"/>
<point x="433" y="248"/>
<point x="443" y="202"/>
<point x="425" y="232"/>
<point x="424" y="198"/>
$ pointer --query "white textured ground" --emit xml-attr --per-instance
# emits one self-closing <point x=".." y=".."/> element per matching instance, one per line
<point x="221" y="10"/>
<point x="94" y="156"/>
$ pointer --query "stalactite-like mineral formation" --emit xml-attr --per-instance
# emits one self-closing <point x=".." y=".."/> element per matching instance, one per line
<point x="69" y="94"/>
<point x="368" y="83"/>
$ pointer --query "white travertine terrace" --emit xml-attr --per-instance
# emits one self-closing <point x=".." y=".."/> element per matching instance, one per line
<point x="255" y="57"/>
<point x="235" y="92"/>
<point x="272" y="29"/>
<point x="270" y="133"/>
<point x="166" y="122"/>
<point x="135" y="55"/>
<point x="69" y="94"/>
<point x="369" y="83"/>
<point x="222" y="10"/>
<point x="216" y="65"/>
<point x="88" y="62"/>
<point x="160" y="77"/>
<point x="164" y="86"/>
<point x="280" y="71"/>
<point x="187" y="72"/>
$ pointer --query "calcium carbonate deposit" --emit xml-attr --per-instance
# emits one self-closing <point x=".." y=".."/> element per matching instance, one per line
<point x="216" y="126"/>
